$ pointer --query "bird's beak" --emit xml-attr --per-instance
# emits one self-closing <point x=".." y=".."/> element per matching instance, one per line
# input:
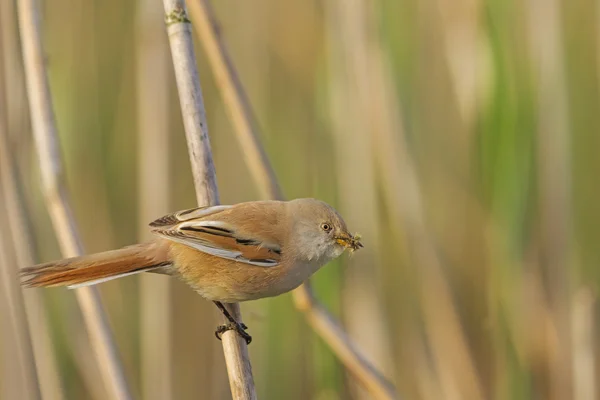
<point x="349" y="241"/>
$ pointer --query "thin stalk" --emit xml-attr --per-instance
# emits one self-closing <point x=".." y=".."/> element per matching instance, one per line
<point x="14" y="301"/>
<point x="57" y="201"/>
<point x="22" y="379"/>
<point x="205" y="181"/>
<point x="321" y="321"/>
<point x="18" y="229"/>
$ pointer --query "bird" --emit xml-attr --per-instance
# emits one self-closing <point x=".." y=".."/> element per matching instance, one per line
<point x="226" y="253"/>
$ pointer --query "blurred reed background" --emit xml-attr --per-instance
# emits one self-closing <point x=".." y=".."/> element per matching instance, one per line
<point x="459" y="138"/>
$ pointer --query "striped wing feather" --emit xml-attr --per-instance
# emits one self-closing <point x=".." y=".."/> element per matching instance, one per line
<point x="206" y="229"/>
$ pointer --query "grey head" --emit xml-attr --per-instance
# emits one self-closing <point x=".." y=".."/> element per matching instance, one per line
<point x="319" y="233"/>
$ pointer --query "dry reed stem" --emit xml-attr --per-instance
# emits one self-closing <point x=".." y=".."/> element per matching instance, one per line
<point x="194" y="120"/>
<point x="47" y="144"/>
<point x="20" y="227"/>
<point x="153" y="198"/>
<point x="14" y="301"/>
<point x="44" y="355"/>
<point x="17" y="228"/>
<point x="13" y="384"/>
<point x="240" y="112"/>
<point x="22" y="380"/>
<point x="343" y="347"/>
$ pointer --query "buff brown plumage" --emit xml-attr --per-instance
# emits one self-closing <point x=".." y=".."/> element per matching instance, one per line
<point x="225" y="253"/>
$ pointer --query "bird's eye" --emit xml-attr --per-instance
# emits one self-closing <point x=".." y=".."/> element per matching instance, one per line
<point x="326" y="227"/>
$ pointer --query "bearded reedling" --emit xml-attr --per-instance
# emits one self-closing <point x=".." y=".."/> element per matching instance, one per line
<point x="227" y="254"/>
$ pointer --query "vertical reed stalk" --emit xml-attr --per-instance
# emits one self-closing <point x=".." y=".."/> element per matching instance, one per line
<point x="14" y="302"/>
<point x="20" y="381"/>
<point x="17" y="228"/>
<point x="196" y="129"/>
<point x="47" y="144"/>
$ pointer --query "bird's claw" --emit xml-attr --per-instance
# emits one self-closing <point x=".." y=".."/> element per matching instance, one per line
<point x="240" y="328"/>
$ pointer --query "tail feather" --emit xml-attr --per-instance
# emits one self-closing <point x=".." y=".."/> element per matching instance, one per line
<point x="96" y="268"/>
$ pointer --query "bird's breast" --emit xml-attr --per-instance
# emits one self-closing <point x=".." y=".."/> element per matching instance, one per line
<point x="232" y="281"/>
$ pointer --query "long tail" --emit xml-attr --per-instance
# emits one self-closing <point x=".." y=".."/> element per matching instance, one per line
<point x="96" y="268"/>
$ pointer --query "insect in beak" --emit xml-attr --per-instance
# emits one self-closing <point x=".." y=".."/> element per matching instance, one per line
<point x="350" y="242"/>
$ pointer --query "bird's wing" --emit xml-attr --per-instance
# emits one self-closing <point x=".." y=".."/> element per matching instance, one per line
<point x="207" y="231"/>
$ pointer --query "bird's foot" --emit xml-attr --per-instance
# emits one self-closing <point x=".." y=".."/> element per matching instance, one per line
<point x="240" y="328"/>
